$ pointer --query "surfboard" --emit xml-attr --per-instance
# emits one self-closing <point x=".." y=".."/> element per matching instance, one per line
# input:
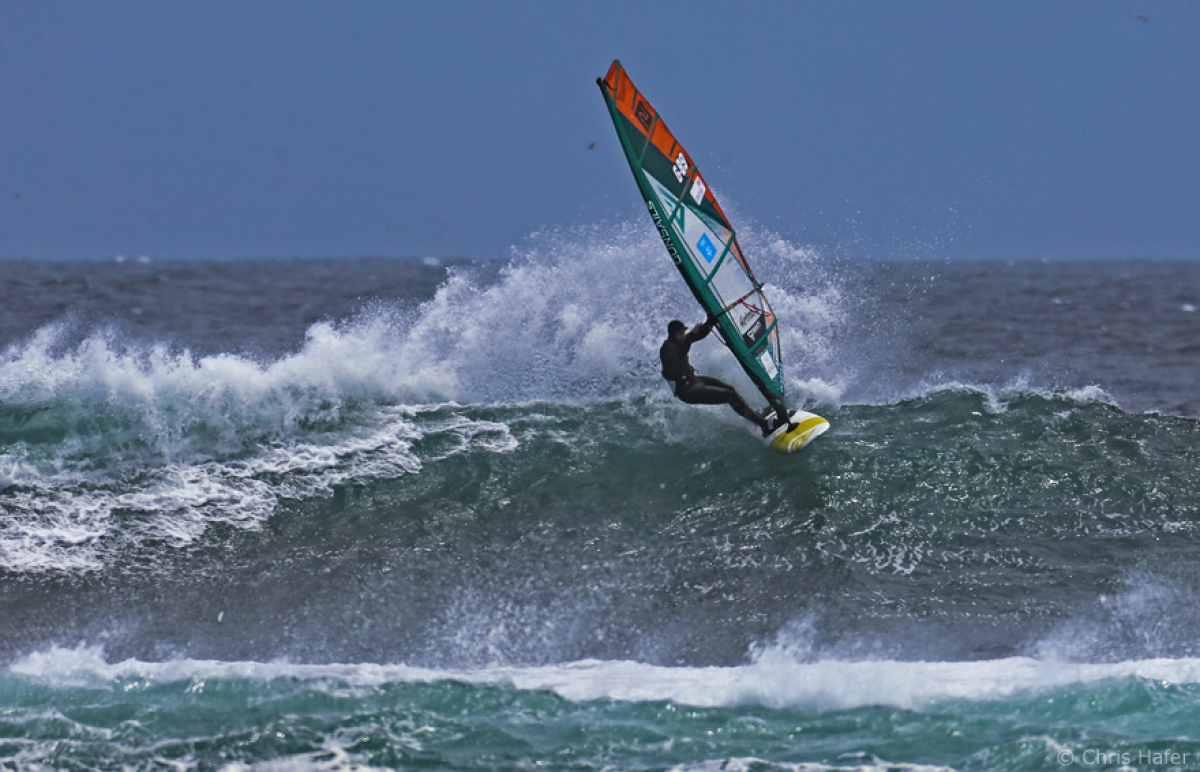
<point x="809" y="426"/>
<point x="699" y="238"/>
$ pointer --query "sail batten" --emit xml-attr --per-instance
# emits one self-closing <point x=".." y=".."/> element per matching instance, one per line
<point x="697" y="234"/>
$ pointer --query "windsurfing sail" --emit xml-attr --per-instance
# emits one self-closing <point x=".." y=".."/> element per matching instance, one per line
<point x="697" y="233"/>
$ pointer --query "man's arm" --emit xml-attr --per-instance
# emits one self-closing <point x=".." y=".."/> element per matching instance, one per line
<point x="701" y="331"/>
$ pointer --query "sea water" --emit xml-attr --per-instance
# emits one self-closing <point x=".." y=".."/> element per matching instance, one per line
<point x="376" y="514"/>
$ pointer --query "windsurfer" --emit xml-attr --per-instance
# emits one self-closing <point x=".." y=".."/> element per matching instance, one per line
<point x="701" y="389"/>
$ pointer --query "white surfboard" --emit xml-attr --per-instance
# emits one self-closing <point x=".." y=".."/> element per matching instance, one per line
<point x="809" y="426"/>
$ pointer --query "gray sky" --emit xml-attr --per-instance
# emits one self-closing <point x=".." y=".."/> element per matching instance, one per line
<point x="876" y="129"/>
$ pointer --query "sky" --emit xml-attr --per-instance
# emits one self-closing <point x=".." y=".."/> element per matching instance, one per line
<point x="1053" y="129"/>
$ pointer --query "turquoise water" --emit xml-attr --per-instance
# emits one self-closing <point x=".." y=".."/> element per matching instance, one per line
<point x="69" y="709"/>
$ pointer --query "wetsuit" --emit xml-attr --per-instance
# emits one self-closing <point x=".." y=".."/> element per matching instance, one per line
<point x="701" y="389"/>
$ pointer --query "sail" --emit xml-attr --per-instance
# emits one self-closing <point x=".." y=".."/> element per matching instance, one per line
<point x="697" y="233"/>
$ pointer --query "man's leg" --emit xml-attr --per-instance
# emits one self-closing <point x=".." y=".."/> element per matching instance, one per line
<point x="781" y="411"/>
<point x="709" y="391"/>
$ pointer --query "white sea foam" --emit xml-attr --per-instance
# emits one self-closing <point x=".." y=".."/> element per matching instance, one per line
<point x="998" y="396"/>
<point x="538" y="331"/>
<point x="57" y="519"/>
<point x="752" y="764"/>
<point x="773" y="680"/>
<point x="57" y="516"/>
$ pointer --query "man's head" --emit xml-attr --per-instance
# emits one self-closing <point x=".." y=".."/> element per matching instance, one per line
<point x="676" y="329"/>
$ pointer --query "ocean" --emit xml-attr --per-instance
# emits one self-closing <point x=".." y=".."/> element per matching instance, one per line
<point x="368" y="513"/>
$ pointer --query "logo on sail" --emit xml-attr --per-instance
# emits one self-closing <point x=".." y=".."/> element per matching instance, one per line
<point x="643" y="115"/>
<point x="681" y="167"/>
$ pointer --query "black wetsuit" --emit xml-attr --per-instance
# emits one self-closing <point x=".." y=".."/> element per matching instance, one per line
<point x="700" y="389"/>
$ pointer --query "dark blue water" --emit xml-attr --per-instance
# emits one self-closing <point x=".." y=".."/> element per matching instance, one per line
<point x="338" y="514"/>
